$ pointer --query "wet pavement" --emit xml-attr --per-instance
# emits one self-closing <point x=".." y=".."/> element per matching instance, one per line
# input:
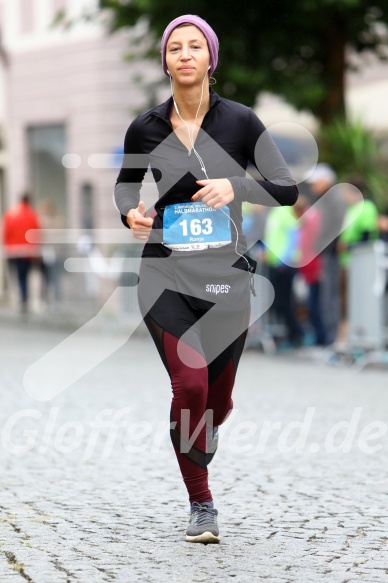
<point x="91" y="490"/>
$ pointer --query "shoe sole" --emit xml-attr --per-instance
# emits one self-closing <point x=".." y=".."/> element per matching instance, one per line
<point x="205" y="537"/>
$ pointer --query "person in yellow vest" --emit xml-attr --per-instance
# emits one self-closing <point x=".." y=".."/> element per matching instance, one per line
<point x="282" y="241"/>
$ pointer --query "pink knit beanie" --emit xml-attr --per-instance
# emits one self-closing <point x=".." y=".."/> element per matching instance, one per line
<point x="207" y="31"/>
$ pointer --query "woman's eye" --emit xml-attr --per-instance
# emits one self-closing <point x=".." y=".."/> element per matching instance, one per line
<point x="176" y="49"/>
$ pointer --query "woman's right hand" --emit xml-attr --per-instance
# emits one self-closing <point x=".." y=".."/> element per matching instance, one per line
<point x="140" y="224"/>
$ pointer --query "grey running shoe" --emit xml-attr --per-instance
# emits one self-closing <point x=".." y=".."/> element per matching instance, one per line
<point x="203" y="527"/>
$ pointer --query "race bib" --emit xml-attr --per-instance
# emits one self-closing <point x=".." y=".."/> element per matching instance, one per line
<point x="190" y="226"/>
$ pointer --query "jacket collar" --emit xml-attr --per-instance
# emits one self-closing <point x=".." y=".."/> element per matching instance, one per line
<point x="163" y="110"/>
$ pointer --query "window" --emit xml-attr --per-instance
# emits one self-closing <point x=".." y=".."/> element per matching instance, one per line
<point x="46" y="147"/>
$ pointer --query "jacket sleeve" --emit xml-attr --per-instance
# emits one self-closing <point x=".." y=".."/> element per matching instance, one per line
<point x="277" y="187"/>
<point x="129" y="180"/>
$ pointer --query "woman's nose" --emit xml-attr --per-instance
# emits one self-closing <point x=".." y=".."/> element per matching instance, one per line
<point x="185" y="54"/>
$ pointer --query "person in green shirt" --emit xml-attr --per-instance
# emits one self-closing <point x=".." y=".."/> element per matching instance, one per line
<point x="282" y="241"/>
<point x="361" y="218"/>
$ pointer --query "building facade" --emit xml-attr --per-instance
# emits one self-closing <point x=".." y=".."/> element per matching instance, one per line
<point x="70" y="94"/>
<point x="66" y="94"/>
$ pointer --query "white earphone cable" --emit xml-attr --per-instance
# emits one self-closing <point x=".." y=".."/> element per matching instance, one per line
<point x="203" y="168"/>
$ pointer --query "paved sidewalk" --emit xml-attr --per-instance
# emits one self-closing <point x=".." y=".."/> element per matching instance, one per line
<point x="77" y="503"/>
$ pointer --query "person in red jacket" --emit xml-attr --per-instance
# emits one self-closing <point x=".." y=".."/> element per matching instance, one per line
<point x="311" y="265"/>
<point x="19" y="252"/>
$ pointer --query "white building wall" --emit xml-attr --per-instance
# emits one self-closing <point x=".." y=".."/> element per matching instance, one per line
<point x="79" y="79"/>
<point x="367" y="93"/>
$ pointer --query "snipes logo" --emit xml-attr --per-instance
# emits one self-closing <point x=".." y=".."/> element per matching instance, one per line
<point x="216" y="288"/>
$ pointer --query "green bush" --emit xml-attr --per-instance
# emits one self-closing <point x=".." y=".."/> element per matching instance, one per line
<point x="352" y="150"/>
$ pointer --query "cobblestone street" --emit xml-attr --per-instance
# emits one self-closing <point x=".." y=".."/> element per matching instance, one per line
<point x="91" y="490"/>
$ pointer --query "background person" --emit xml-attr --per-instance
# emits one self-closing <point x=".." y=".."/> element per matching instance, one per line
<point x="51" y="264"/>
<point x="332" y="213"/>
<point x="282" y="239"/>
<point x="20" y="253"/>
<point x="383" y="227"/>
<point x="311" y="264"/>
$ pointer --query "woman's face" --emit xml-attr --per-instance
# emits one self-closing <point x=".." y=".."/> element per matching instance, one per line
<point x="187" y="55"/>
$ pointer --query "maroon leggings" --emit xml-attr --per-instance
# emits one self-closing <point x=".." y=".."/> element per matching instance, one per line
<point x="199" y="394"/>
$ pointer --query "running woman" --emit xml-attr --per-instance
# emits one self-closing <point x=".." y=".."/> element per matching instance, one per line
<point x="198" y="146"/>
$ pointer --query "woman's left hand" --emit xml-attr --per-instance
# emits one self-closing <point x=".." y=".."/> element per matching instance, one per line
<point x="215" y="193"/>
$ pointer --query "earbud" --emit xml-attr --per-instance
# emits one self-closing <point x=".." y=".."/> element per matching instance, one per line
<point x="168" y="73"/>
<point x="209" y="67"/>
